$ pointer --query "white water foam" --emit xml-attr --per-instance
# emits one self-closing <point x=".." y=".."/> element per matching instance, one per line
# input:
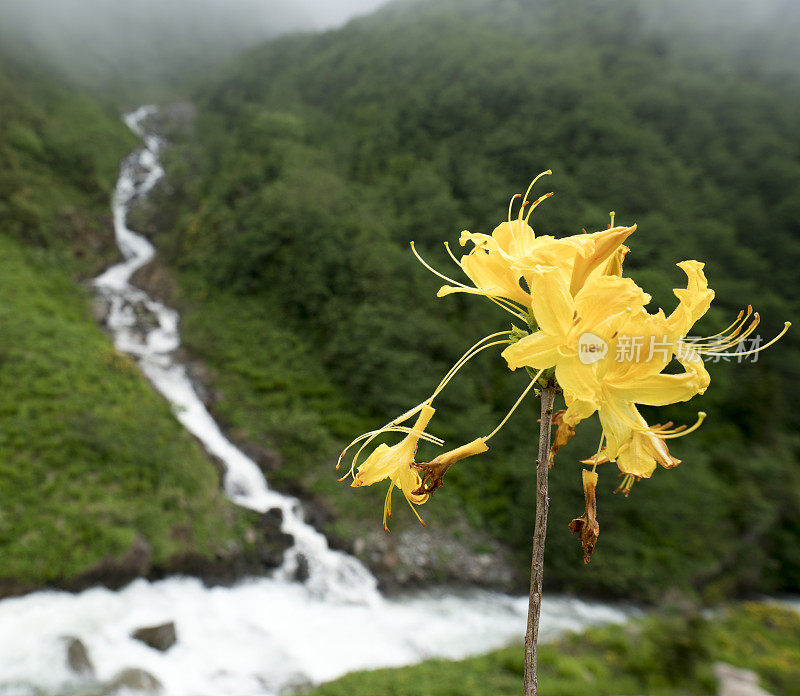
<point x="265" y="635"/>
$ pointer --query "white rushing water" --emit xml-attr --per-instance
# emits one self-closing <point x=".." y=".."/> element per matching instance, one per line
<point x="267" y="635"/>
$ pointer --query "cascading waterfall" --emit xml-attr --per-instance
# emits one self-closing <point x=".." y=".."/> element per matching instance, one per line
<point x="266" y="635"/>
<point x="332" y="574"/>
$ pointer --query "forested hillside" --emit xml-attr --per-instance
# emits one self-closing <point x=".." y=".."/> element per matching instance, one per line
<point x="317" y="159"/>
<point x="99" y="483"/>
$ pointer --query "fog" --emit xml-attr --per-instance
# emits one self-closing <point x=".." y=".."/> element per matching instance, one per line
<point x="109" y="43"/>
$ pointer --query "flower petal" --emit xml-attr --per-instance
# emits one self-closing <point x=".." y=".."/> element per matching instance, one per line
<point x="537" y="350"/>
<point x="552" y="305"/>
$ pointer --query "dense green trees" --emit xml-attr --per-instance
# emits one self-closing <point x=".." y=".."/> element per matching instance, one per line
<point x="319" y="157"/>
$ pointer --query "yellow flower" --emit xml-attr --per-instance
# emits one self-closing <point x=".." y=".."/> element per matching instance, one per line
<point x="395" y="463"/>
<point x="577" y="257"/>
<point x="605" y="314"/>
<point x="564" y="321"/>
<point x="489" y="264"/>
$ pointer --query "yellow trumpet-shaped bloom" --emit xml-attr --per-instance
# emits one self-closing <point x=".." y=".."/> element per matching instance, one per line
<point x="396" y="464"/>
<point x="609" y="354"/>
<point x="504" y="265"/>
<point x="577" y="257"/>
<point x="564" y="321"/>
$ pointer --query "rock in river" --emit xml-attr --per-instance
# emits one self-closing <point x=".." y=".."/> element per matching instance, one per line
<point x="161" y="637"/>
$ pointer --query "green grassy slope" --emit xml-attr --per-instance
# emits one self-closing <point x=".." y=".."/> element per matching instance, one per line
<point x="318" y="158"/>
<point x="91" y="459"/>
<point x="662" y="656"/>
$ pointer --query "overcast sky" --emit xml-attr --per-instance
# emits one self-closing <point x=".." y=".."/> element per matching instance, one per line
<point x="327" y="13"/>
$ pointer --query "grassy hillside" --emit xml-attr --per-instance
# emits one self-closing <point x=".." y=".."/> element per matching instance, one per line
<point x="317" y="159"/>
<point x="92" y="462"/>
<point x="672" y="655"/>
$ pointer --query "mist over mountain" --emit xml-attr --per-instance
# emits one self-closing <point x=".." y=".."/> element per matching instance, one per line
<point x="148" y="45"/>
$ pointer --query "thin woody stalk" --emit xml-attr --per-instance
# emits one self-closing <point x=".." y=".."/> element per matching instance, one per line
<point x="539" y="532"/>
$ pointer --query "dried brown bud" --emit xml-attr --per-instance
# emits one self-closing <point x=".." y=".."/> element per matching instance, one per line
<point x="432" y="473"/>
<point x="586" y="526"/>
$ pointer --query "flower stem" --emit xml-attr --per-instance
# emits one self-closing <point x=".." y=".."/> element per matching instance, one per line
<point x="539" y="532"/>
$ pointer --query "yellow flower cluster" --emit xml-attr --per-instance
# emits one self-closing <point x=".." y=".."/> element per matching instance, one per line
<point x="588" y="333"/>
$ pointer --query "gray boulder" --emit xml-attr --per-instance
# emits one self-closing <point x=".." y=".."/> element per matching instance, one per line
<point x="133" y="679"/>
<point x="161" y="637"/>
<point x="78" y="657"/>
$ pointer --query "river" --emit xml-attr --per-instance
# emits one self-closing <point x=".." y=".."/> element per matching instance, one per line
<point x="265" y="635"/>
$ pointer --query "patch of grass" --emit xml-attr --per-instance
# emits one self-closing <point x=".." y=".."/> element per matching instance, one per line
<point x="659" y="656"/>
<point x="90" y="455"/>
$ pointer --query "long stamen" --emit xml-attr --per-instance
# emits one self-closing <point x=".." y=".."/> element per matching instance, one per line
<point x="682" y="430"/>
<point x="467" y="288"/>
<point x="392" y="428"/>
<point x="514" y="407"/>
<point x="392" y="425"/>
<point x="468" y="354"/>
<point x="452" y="256"/>
<point x="374" y="433"/>
<point x="536" y="203"/>
<point x="731" y="337"/>
<point x="741" y="354"/>
<point x="527" y="193"/>
<point x="510" y="305"/>
<point x="387" y="506"/>
<point x="511" y="204"/>
<point x="506" y="305"/>
<point x="741" y="317"/>
<point x="435" y="272"/>
<point x="414" y="510"/>
<point x="461" y="364"/>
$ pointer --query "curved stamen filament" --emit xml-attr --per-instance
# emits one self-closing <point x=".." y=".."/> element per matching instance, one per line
<point x="452" y="256"/>
<point x="373" y="433"/>
<point x="741" y="317"/>
<point x="468" y="354"/>
<point x="514" y="407"/>
<point x="466" y="288"/>
<point x="536" y="203"/>
<point x="657" y="431"/>
<point x="527" y="193"/>
<point x="511" y="205"/>
<point x="741" y="354"/>
<point x="370" y="436"/>
<point x="392" y="425"/>
<point x="461" y="364"/>
<point x="731" y="339"/>
<point x="435" y="272"/>
<point x="682" y="430"/>
<point x="414" y="510"/>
